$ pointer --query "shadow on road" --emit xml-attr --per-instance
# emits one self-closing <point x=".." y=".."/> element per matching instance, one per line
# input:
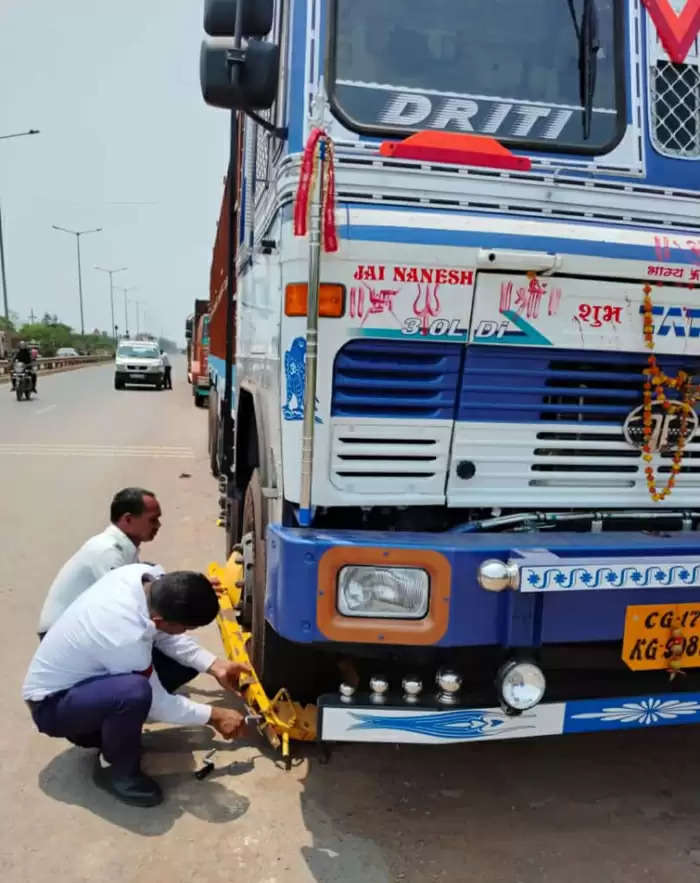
<point x="614" y="807"/>
<point x="168" y="756"/>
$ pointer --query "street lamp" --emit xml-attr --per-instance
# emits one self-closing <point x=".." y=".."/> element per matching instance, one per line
<point x="19" y="134"/>
<point x="138" y="304"/>
<point x="78" y="234"/>
<point x="2" y="246"/>
<point x="111" y="293"/>
<point x="125" y="291"/>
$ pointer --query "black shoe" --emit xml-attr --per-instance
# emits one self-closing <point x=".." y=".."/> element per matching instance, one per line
<point x="137" y="790"/>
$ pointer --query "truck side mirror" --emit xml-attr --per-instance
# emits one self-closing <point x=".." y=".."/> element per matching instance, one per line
<point x="257" y="17"/>
<point x="246" y="84"/>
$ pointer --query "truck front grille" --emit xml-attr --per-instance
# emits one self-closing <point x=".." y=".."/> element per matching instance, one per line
<point x="528" y="385"/>
<point x="403" y="379"/>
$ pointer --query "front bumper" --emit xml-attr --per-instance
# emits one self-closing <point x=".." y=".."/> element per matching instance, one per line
<point x="362" y="721"/>
<point x="140" y="378"/>
<point x="300" y="603"/>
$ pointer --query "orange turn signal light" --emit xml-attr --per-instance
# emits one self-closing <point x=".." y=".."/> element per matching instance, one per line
<point x="331" y="300"/>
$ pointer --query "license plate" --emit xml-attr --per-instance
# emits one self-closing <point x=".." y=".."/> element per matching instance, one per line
<point x="137" y="376"/>
<point x="647" y="641"/>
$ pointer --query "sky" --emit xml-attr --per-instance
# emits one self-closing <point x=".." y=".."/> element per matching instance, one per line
<point x="126" y="143"/>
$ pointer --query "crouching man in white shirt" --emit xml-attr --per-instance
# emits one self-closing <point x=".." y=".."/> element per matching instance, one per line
<point x="92" y="681"/>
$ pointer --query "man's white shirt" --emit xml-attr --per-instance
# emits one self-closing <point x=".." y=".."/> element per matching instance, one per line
<point x="108" y="631"/>
<point x="108" y="550"/>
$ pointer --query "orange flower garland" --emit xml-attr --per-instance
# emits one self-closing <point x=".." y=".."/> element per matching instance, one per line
<point x="656" y="383"/>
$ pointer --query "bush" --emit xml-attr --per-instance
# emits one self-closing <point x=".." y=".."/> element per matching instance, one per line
<point x="50" y="337"/>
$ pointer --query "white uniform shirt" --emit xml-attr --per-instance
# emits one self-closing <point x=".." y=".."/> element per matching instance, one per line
<point x="110" y="549"/>
<point x="108" y="631"/>
<point x="165" y="360"/>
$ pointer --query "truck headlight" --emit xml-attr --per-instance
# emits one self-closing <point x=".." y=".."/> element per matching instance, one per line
<point x="383" y="592"/>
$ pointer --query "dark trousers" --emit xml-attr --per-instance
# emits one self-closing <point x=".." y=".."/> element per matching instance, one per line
<point x="109" y="712"/>
<point x="106" y="713"/>
<point x="168" y="377"/>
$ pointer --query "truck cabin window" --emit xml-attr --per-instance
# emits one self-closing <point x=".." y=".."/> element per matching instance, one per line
<point x="543" y="73"/>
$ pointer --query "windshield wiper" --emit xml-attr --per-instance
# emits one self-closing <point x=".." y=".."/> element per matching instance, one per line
<point x="588" y="47"/>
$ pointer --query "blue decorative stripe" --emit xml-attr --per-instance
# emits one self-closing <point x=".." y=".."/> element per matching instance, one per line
<point x="405" y="379"/>
<point x="608" y="577"/>
<point x="665" y="709"/>
<point x="481" y="239"/>
<point x="444" y="725"/>
<point x="546" y="719"/>
<point x="525" y="385"/>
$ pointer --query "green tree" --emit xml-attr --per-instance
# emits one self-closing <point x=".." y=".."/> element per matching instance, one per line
<point x="48" y="338"/>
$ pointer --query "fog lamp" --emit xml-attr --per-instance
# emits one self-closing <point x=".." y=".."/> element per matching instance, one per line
<point x="521" y="685"/>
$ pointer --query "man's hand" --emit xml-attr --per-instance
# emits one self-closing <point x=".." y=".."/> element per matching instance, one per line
<point x="228" y="674"/>
<point x="227" y="722"/>
<point x="216" y="585"/>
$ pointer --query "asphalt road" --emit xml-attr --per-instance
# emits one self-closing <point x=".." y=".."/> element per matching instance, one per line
<point x="616" y="807"/>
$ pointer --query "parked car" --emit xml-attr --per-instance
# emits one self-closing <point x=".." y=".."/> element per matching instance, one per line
<point x="66" y="352"/>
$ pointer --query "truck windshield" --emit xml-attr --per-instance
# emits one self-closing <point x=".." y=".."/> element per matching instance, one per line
<point x="505" y="68"/>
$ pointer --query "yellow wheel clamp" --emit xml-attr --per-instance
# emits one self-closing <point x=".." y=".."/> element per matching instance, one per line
<point x="280" y="719"/>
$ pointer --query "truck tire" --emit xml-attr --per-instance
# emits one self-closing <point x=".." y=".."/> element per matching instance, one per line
<point x="277" y="662"/>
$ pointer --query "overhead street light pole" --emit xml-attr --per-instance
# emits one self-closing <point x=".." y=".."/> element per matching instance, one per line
<point x="5" y="303"/>
<point x="111" y="293"/>
<point x="78" y="234"/>
<point x="125" y="291"/>
<point x="138" y="315"/>
<point x="19" y="134"/>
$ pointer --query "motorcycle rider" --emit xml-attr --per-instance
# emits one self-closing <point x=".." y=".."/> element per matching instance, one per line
<point x="24" y="355"/>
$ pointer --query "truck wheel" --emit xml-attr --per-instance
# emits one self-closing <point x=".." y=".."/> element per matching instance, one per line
<point x="277" y="662"/>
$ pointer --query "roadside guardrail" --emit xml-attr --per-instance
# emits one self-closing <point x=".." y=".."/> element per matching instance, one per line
<point x="54" y="364"/>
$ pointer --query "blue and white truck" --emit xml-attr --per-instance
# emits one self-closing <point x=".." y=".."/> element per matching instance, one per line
<point x="464" y="460"/>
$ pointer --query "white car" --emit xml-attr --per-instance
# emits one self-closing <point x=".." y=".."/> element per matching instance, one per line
<point x="138" y="362"/>
<point x="67" y="352"/>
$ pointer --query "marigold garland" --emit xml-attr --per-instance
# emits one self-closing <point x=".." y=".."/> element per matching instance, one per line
<point x="657" y="384"/>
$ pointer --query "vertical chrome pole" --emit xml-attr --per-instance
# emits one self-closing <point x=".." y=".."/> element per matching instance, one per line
<point x="307" y="442"/>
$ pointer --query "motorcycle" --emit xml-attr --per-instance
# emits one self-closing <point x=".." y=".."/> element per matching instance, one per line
<point x="22" y="380"/>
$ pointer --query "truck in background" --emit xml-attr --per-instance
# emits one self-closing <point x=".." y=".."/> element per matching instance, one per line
<point x="199" y="369"/>
<point x="200" y="307"/>
<point x="473" y="516"/>
<point x="218" y="283"/>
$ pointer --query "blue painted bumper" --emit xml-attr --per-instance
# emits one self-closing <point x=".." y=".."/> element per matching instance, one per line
<point x="359" y="721"/>
<point x="478" y="617"/>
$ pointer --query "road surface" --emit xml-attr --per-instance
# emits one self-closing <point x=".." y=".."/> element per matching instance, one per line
<point x="617" y="807"/>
